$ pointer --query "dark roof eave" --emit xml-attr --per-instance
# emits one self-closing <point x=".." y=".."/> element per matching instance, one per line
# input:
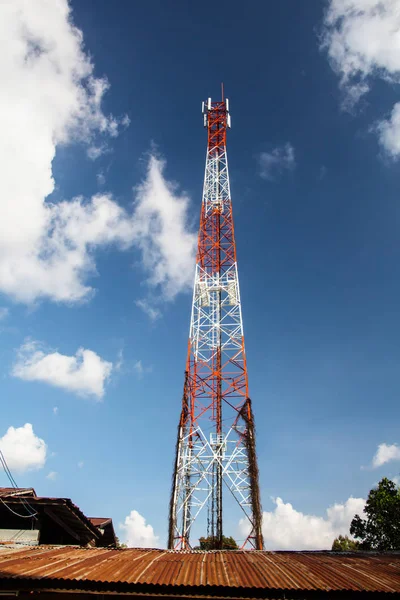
<point x="59" y="502"/>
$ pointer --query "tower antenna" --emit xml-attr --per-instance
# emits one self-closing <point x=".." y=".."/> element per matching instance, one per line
<point x="215" y="456"/>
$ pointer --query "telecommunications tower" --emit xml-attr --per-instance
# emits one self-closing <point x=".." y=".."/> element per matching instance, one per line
<point x="215" y="450"/>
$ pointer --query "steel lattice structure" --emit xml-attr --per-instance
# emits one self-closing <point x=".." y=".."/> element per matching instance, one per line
<point x="215" y="451"/>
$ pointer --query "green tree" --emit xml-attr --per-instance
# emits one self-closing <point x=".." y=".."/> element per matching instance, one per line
<point x="211" y="543"/>
<point x="381" y="529"/>
<point x="344" y="544"/>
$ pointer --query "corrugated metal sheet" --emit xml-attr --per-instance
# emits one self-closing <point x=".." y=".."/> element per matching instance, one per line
<point x="99" y="521"/>
<point x="131" y="569"/>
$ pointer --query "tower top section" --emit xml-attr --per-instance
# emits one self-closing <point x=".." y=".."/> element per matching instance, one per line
<point x="217" y="119"/>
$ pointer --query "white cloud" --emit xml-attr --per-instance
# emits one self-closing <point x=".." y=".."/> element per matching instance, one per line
<point x="100" y="178"/>
<point x="272" y="164"/>
<point x="385" y="453"/>
<point x="138" y="534"/>
<point x="150" y="310"/>
<point x="362" y="39"/>
<point x="161" y="231"/>
<point x="55" y="410"/>
<point x="52" y="475"/>
<point x="84" y="374"/>
<point x="138" y="368"/>
<point x="80" y="464"/>
<point x="53" y="98"/>
<point x="388" y="131"/>
<point x="95" y="152"/>
<point x="4" y="312"/>
<point x="125" y="121"/>
<point x="120" y="360"/>
<point x="285" y="528"/>
<point x="23" y="449"/>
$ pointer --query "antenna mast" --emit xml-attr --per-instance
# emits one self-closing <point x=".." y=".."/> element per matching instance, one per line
<point x="215" y="451"/>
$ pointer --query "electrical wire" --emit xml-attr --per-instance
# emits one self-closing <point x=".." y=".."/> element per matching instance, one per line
<point x="26" y="505"/>
<point x="14" y="485"/>
<point x="15" y="513"/>
<point x="7" y="470"/>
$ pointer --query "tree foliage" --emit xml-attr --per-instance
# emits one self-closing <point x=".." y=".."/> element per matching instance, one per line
<point x="118" y="544"/>
<point x="345" y="544"/>
<point x="381" y="529"/>
<point x="211" y="543"/>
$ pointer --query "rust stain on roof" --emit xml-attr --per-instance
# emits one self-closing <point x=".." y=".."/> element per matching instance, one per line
<point x="108" y="569"/>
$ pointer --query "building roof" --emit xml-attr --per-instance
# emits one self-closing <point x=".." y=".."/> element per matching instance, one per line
<point x="100" y="521"/>
<point x="106" y="528"/>
<point x="9" y="491"/>
<point x="83" y="528"/>
<point x="239" y="574"/>
<point x="59" y="509"/>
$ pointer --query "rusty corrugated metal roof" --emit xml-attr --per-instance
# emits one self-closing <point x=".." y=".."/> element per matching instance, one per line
<point x="219" y="573"/>
<point x="100" y="521"/>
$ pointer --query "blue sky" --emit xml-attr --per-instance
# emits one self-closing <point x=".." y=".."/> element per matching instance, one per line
<point x="99" y="210"/>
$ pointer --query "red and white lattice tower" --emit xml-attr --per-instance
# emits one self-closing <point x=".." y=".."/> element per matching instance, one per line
<point x="215" y="452"/>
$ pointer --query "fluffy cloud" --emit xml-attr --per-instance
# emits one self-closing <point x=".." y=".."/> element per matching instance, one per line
<point x="84" y="374"/>
<point x="52" y="475"/>
<point x="52" y="97"/>
<point x="23" y="449"/>
<point x="385" y="453"/>
<point x="388" y="132"/>
<point x="272" y="164"/>
<point x="161" y="231"/>
<point x="285" y="528"/>
<point x="138" y="534"/>
<point x="362" y="39"/>
<point x="3" y="312"/>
